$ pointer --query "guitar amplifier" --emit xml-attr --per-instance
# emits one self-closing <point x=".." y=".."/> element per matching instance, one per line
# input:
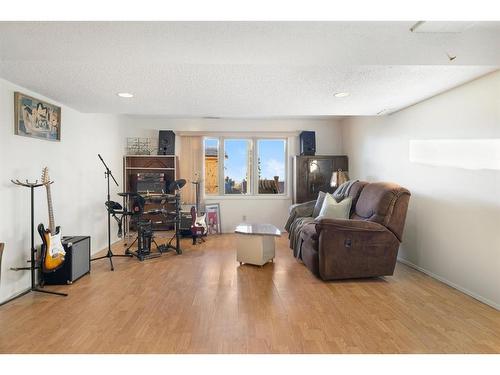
<point x="76" y="263"/>
<point x="186" y="221"/>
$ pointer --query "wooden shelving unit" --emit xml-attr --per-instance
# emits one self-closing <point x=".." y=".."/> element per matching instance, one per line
<point x="312" y="174"/>
<point x="135" y="165"/>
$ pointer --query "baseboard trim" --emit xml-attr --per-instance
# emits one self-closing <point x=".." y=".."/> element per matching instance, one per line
<point x="451" y="284"/>
<point x="15" y="295"/>
<point x="25" y="291"/>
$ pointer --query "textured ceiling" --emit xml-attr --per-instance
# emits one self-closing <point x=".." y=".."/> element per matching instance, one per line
<point x="242" y="69"/>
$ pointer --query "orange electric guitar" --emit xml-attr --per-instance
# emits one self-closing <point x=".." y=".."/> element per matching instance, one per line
<point x="52" y="250"/>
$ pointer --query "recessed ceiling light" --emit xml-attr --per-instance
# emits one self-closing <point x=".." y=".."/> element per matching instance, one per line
<point x="125" y="95"/>
<point x="341" y="94"/>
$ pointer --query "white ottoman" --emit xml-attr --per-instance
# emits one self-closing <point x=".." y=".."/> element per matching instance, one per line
<point x="255" y="243"/>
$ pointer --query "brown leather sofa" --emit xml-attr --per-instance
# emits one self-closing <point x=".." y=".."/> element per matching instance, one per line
<point x="364" y="246"/>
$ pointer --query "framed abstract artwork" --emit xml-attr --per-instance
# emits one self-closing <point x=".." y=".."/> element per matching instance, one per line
<point x="212" y="211"/>
<point x="36" y="118"/>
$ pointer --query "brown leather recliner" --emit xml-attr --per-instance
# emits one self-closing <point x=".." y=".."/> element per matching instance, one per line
<point x="364" y="246"/>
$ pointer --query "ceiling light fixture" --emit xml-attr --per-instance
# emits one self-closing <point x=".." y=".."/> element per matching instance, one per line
<point x="125" y="95"/>
<point x="341" y="94"/>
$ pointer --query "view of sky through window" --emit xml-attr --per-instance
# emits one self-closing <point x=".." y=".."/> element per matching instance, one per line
<point x="242" y="158"/>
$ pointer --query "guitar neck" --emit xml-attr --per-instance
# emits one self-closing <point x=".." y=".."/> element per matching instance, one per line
<point x="52" y="226"/>
<point x="197" y="191"/>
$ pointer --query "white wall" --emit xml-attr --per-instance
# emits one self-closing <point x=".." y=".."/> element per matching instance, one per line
<point x="453" y="226"/>
<point x="257" y="209"/>
<point x="79" y="191"/>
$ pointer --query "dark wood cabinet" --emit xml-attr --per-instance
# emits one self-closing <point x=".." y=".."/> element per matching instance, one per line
<point x="312" y="174"/>
<point x="150" y="174"/>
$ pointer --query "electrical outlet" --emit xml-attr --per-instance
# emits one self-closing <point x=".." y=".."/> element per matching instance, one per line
<point x="244" y="217"/>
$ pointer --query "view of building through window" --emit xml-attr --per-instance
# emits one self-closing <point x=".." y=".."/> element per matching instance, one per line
<point x="211" y="166"/>
<point x="271" y="165"/>
<point x="236" y="168"/>
<point x="248" y="166"/>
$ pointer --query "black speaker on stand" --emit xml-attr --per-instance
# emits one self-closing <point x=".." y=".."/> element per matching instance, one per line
<point x="308" y="143"/>
<point x="166" y="142"/>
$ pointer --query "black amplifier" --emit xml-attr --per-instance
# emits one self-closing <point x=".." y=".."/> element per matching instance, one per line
<point x="76" y="263"/>
<point x="186" y="221"/>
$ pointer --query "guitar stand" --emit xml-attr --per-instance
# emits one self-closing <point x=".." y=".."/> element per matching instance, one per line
<point x="109" y="254"/>
<point x="33" y="264"/>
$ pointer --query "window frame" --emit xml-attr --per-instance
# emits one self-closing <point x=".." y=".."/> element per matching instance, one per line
<point x="253" y="183"/>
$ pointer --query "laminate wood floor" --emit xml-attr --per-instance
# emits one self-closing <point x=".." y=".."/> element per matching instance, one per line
<point x="203" y="302"/>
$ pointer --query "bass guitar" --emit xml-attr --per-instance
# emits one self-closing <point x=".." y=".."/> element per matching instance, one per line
<point x="201" y="220"/>
<point x="52" y="250"/>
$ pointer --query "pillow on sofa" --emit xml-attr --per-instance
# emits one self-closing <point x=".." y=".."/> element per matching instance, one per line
<point x="333" y="210"/>
<point x="319" y="203"/>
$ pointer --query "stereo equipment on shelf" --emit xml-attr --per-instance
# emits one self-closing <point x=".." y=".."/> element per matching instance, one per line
<point x="308" y="143"/>
<point x="151" y="182"/>
<point x="76" y="264"/>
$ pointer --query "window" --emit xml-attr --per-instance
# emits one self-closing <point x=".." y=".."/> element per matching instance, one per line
<point x="211" y="151"/>
<point x="245" y="166"/>
<point x="236" y="166"/>
<point x="271" y="159"/>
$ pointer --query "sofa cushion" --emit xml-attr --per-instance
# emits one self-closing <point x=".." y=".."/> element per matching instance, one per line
<point x="319" y="203"/>
<point x="331" y="209"/>
<point x="355" y="192"/>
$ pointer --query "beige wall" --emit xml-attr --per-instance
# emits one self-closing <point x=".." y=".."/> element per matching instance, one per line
<point x="453" y="225"/>
<point x="79" y="191"/>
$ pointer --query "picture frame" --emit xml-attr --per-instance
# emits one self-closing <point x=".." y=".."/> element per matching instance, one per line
<point x="212" y="211"/>
<point x="36" y="118"/>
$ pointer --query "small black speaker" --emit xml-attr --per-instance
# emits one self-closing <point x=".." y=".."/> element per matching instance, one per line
<point x="308" y="143"/>
<point x="166" y="142"/>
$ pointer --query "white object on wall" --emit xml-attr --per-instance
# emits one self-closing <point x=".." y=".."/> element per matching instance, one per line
<point x="472" y="154"/>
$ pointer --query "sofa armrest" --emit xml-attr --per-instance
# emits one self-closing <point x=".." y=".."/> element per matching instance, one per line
<point x="355" y="248"/>
<point x="299" y="210"/>
<point x="302" y="209"/>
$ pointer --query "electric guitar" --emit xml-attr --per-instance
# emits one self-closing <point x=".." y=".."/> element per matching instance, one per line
<point x="52" y="250"/>
<point x="201" y="220"/>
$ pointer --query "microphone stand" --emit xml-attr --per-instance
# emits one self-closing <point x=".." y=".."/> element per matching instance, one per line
<point x="109" y="254"/>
